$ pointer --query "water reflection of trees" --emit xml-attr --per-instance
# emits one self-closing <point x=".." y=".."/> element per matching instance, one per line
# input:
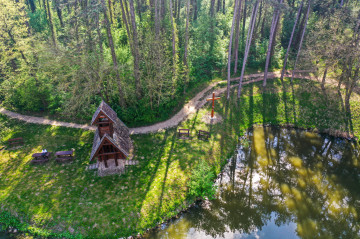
<point x="297" y="176"/>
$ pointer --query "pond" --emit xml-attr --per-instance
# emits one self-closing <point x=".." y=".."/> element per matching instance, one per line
<point x="285" y="183"/>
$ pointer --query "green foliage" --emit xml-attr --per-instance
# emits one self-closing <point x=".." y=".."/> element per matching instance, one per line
<point x="38" y="21"/>
<point x="29" y="95"/>
<point x="201" y="183"/>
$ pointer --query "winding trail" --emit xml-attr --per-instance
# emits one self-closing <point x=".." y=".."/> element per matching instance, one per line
<point x="191" y="107"/>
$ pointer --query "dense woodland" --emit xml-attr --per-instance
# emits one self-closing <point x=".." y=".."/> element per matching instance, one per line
<point x="62" y="57"/>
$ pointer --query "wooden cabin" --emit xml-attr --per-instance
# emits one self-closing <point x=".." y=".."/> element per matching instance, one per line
<point x="112" y="143"/>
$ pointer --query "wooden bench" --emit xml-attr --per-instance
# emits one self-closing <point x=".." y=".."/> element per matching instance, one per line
<point x="183" y="132"/>
<point x="64" y="156"/>
<point x="14" y="141"/>
<point x="205" y="135"/>
<point x="40" y="158"/>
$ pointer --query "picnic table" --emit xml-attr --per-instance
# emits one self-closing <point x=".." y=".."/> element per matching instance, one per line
<point x="62" y="156"/>
<point x="205" y="135"/>
<point x="40" y="157"/>
<point x="183" y="132"/>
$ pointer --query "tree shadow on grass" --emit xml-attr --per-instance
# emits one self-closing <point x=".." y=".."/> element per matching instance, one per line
<point x="31" y="187"/>
<point x="168" y="161"/>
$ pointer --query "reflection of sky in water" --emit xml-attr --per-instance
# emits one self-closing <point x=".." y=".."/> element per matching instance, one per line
<point x="288" y="184"/>
<point x="181" y="228"/>
<point x="269" y="231"/>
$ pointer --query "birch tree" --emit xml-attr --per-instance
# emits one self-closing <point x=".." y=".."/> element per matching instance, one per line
<point x="230" y="46"/>
<point x="274" y="23"/>
<point x="237" y="35"/>
<point x="248" y="44"/>
<point x="186" y="45"/>
<point x="291" y="39"/>
<point x="173" y="37"/>
<point x="302" y="39"/>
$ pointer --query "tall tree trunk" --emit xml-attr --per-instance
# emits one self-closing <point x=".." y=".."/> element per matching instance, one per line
<point x="224" y="7"/>
<point x="45" y="9"/>
<point x="258" y="23"/>
<point x="97" y="20"/>
<point x="186" y="44"/>
<point x="59" y="13"/>
<point x="136" y="50"/>
<point x="113" y="55"/>
<point x="162" y="10"/>
<point x="126" y="23"/>
<point x="195" y="9"/>
<point x="175" y="8"/>
<point x="187" y="33"/>
<point x="274" y="39"/>
<point x="301" y="26"/>
<point x="32" y="6"/>
<point x="230" y="46"/>
<point x="237" y="35"/>
<point x="248" y="44"/>
<point x="178" y="9"/>
<point x="218" y="7"/>
<point x="212" y="8"/>
<point x="262" y="32"/>
<point x="139" y="7"/>
<point x="127" y="14"/>
<point x="302" y="39"/>
<point x="274" y="23"/>
<point x="244" y="23"/>
<point x="53" y="37"/>
<point x="157" y="25"/>
<point x="110" y="11"/>
<point x="173" y="36"/>
<point x="291" y="39"/>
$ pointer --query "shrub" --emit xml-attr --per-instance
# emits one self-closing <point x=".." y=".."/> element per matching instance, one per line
<point x="201" y="181"/>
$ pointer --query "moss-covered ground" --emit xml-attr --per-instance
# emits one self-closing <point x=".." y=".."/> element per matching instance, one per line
<point x="67" y="201"/>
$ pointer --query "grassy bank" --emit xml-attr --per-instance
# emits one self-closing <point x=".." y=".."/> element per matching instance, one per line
<point x="65" y="200"/>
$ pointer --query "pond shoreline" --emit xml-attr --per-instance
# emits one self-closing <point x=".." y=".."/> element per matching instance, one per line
<point x="190" y="204"/>
<point x="330" y="132"/>
<point x="197" y="202"/>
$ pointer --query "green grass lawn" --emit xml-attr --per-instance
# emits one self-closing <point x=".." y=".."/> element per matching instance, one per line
<point x="65" y="200"/>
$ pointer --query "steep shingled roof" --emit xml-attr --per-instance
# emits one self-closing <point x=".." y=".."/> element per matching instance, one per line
<point x="98" y="142"/>
<point x="108" y="111"/>
<point x="120" y="138"/>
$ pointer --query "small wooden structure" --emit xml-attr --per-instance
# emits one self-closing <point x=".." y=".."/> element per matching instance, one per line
<point x="203" y="135"/>
<point x="40" y="158"/>
<point x="184" y="132"/>
<point x="112" y="144"/>
<point x="14" y="141"/>
<point x="64" y="156"/>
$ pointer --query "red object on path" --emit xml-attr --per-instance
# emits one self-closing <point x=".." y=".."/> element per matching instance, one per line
<point x="213" y="103"/>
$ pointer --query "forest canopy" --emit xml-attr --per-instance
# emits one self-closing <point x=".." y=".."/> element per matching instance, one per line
<point x="63" y="57"/>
